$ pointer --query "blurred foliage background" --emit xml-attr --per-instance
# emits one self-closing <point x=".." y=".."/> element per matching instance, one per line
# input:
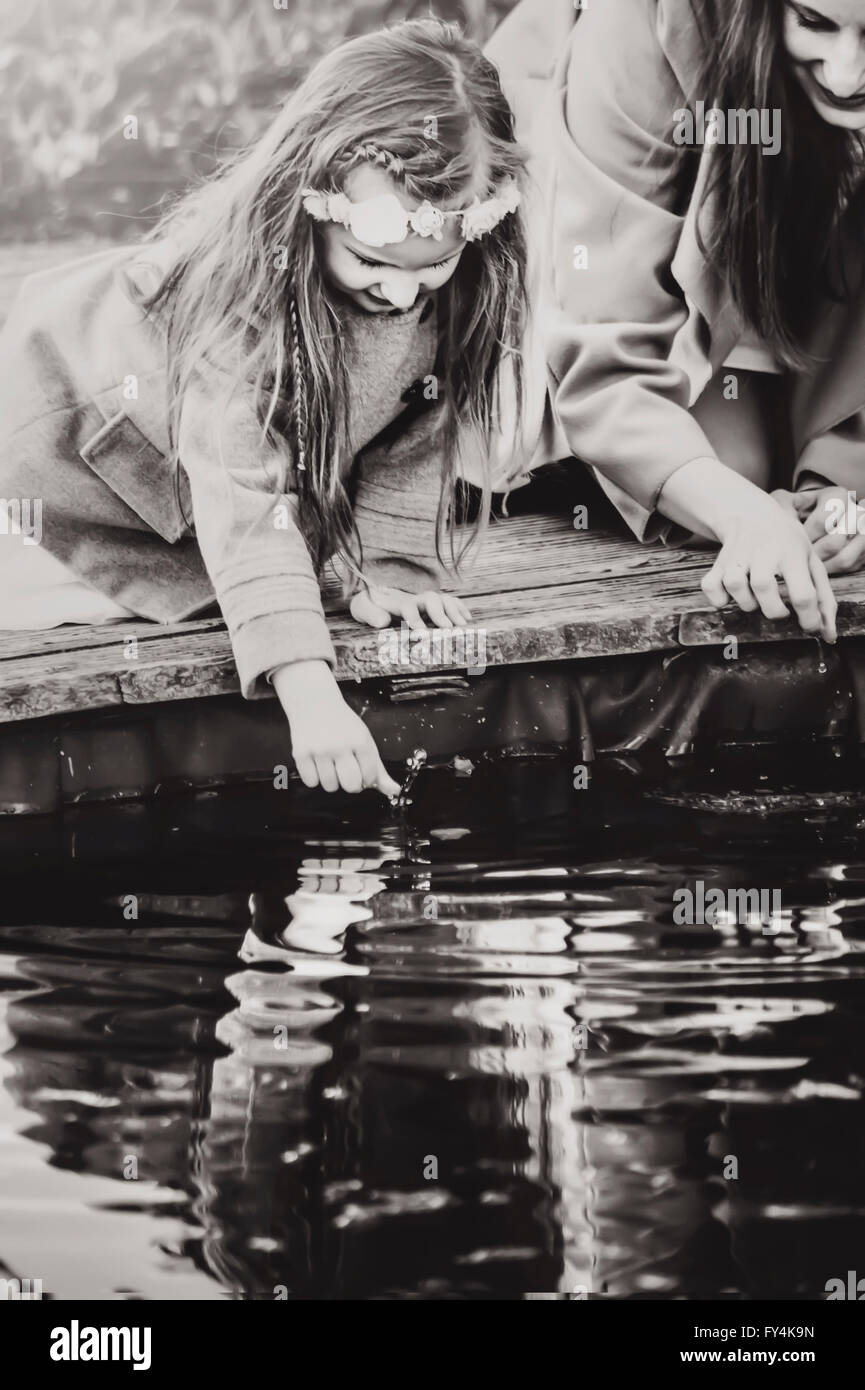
<point x="200" y="77"/>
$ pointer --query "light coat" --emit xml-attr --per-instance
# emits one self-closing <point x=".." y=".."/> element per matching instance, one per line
<point x="633" y="339"/>
<point x="84" y="429"/>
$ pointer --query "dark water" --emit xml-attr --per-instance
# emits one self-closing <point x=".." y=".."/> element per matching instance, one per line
<point x="464" y="1054"/>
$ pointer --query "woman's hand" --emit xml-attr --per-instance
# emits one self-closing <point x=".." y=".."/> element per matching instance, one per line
<point x="834" y="522"/>
<point x="762" y="547"/>
<point x="759" y="539"/>
<point x="377" y="606"/>
<point x="331" y="745"/>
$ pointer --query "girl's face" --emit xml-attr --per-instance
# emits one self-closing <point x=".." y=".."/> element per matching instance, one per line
<point x="383" y="279"/>
<point x="826" y="44"/>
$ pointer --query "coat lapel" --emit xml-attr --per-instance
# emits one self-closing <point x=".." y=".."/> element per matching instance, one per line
<point x="721" y="329"/>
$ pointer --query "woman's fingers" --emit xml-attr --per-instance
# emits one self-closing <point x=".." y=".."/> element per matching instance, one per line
<point x="831" y="544"/>
<point x="749" y="570"/>
<point x="764" y="587"/>
<point x="734" y="579"/>
<point x="713" y="586"/>
<point x="849" y="558"/>
<point x="816" y="525"/>
<point x="802" y="591"/>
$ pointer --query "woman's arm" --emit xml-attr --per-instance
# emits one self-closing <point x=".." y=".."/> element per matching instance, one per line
<point x="622" y="403"/>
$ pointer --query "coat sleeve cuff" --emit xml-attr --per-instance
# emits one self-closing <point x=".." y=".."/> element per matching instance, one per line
<point x="265" y="643"/>
<point x="645" y="521"/>
<point x="835" y="456"/>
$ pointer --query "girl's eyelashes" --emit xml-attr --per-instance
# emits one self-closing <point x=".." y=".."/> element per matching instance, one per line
<point x="809" y="19"/>
<point x="379" y="265"/>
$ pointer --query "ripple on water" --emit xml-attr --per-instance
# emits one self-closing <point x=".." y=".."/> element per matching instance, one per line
<point x="466" y="1053"/>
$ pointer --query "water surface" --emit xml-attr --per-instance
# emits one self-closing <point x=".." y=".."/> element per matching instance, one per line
<point x="463" y="1053"/>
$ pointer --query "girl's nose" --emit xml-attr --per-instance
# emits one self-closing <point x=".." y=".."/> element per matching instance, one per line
<point x="844" y="64"/>
<point x="399" y="291"/>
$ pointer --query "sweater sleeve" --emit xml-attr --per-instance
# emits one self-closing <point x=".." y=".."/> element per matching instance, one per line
<point x="621" y="402"/>
<point x="246" y="528"/>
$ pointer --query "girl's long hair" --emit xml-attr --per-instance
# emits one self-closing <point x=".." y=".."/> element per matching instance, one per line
<point x="247" y="293"/>
<point x="775" y="235"/>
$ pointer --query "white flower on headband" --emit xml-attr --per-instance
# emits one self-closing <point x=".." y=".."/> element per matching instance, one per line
<point x="383" y="220"/>
<point x="326" y="207"/>
<point x="481" y="218"/>
<point x="379" y="221"/>
<point x="428" y="221"/>
<point x="339" y="208"/>
<point x="376" y="221"/>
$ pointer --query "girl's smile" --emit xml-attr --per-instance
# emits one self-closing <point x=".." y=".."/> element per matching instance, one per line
<point x="387" y="279"/>
<point x="826" y="43"/>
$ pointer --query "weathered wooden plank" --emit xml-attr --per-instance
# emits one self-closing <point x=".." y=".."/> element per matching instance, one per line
<point x="59" y="694"/>
<point x="712" y="627"/>
<point x="584" y="619"/>
<point x="71" y="637"/>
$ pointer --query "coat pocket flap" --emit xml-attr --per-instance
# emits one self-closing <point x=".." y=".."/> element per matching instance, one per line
<point x="138" y="473"/>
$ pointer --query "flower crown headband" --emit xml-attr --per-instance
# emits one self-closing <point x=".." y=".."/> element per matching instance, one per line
<point x="382" y="221"/>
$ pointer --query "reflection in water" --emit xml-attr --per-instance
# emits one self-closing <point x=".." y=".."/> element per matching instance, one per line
<point x="465" y="1053"/>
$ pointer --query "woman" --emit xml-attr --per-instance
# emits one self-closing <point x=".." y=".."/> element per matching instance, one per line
<point x="704" y="335"/>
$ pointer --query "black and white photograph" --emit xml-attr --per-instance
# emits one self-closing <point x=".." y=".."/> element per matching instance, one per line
<point x="432" y="668"/>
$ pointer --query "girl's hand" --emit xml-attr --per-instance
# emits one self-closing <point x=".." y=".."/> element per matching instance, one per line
<point x="756" y="550"/>
<point x="377" y="606"/>
<point x="833" y="523"/>
<point x="331" y="745"/>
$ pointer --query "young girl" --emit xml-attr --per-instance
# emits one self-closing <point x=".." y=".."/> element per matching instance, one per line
<point x="707" y="339"/>
<point x="295" y="367"/>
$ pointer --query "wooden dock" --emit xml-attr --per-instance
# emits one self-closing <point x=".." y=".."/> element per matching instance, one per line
<point x="540" y="591"/>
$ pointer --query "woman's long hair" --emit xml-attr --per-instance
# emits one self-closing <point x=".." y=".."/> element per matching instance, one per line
<point x="774" y="238"/>
<point x="247" y="292"/>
